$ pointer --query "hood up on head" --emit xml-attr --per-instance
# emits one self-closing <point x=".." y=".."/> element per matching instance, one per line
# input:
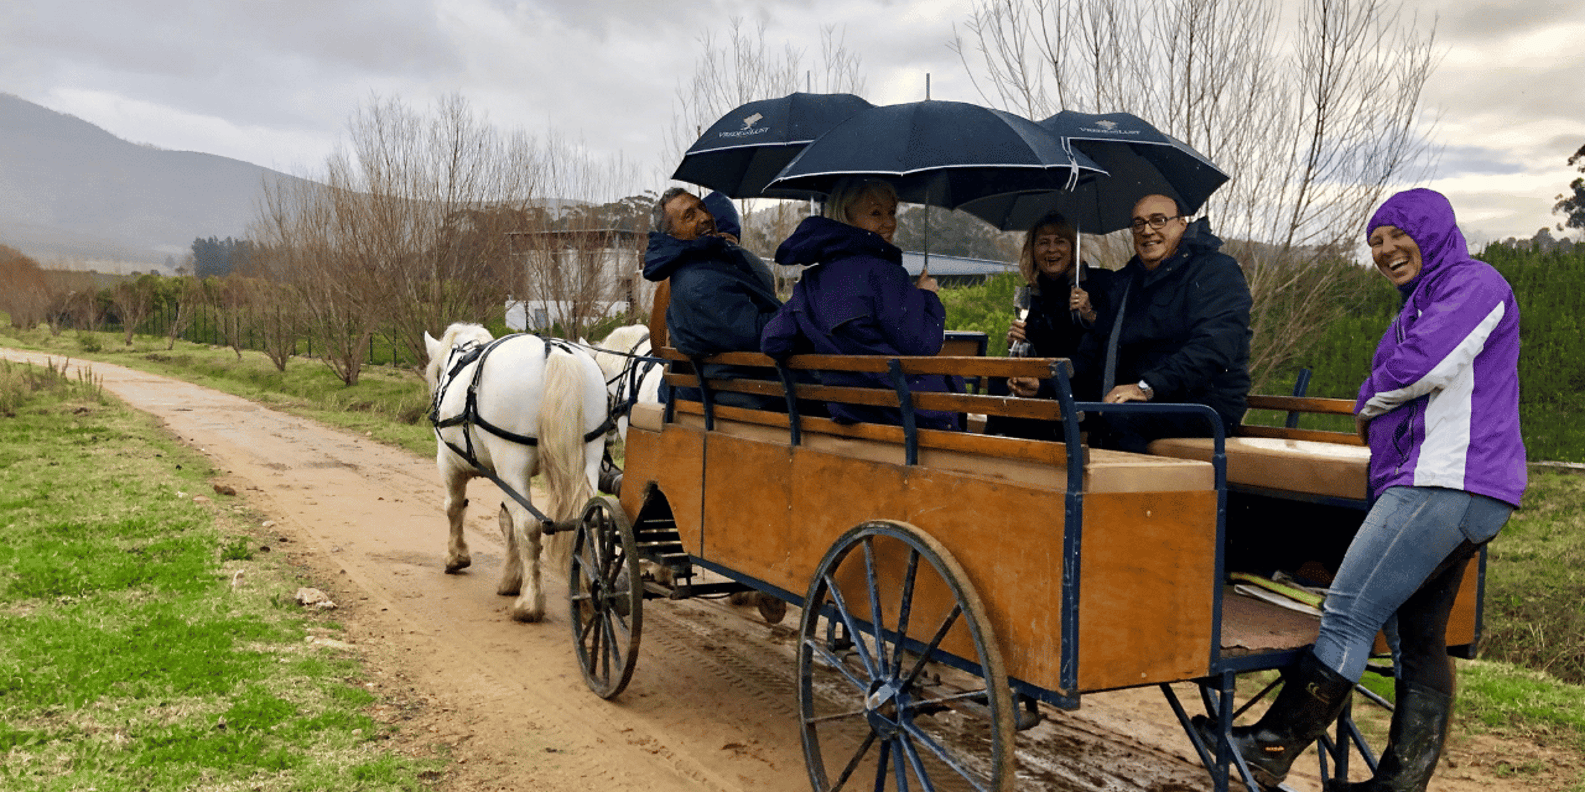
<point x="1427" y="217"/>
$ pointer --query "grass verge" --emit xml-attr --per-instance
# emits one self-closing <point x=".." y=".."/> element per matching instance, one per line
<point x="387" y="404"/>
<point x="128" y="659"/>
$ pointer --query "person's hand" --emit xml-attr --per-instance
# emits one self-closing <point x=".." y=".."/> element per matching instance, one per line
<point x="1015" y="333"/>
<point x="1079" y="300"/>
<point x="926" y="282"/>
<point x="1362" y="428"/>
<point x="727" y="237"/>
<point x="1023" y="387"/>
<point x="1125" y="393"/>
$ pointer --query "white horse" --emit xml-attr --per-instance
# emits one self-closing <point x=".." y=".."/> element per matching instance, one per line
<point x="629" y="378"/>
<point x="534" y="407"/>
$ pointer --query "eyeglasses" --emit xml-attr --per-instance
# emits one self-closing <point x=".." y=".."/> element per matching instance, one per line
<point x="1157" y="222"/>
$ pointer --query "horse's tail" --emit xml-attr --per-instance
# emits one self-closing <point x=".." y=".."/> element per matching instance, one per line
<point x="561" y="443"/>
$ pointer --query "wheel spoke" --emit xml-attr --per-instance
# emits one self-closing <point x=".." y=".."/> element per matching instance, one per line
<point x="905" y="608"/>
<point x="613" y="651"/>
<point x="935" y="642"/>
<point x="944" y="700"/>
<point x="853" y="763"/>
<point x="836" y="717"/>
<point x="883" y="765"/>
<point x="841" y="606"/>
<point x="877" y="619"/>
<point x="836" y="662"/>
<point x="905" y="746"/>
<point x="946" y="757"/>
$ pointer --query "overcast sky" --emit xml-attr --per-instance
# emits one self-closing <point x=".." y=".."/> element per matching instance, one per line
<point x="274" y="83"/>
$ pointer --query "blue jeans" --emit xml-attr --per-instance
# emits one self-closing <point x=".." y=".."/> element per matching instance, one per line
<point x="1407" y="560"/>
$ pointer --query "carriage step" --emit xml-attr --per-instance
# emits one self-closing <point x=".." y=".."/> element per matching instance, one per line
<point x="663" y="545"/>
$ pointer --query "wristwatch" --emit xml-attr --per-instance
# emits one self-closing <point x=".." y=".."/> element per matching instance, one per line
<point x="1144" y="387"/>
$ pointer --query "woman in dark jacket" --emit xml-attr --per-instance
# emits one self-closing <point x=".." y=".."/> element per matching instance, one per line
<point x="855" y="298"/>
<point x="1061" y="311"/>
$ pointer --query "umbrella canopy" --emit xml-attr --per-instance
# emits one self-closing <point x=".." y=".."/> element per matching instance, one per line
<point x="937" y="153"/>
<point x="1139" y="159"/>
<point x="740" y="153"/>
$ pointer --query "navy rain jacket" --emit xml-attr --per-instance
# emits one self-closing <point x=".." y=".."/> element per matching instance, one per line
<point x="855" y="298"/>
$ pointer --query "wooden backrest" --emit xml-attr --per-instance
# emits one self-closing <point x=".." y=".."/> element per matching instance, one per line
<point x="1010" y="406"/>
<point x="658" y="337"/>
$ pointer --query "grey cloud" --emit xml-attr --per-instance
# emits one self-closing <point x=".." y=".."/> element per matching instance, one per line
<point x="1488" y="21"/>
<point x="226" y="59"/>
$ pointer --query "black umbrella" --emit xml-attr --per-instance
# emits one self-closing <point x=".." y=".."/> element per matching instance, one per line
<point x="740" y="153"/>
<point x="1139" y="160"/>
<point x="937" y="153"/>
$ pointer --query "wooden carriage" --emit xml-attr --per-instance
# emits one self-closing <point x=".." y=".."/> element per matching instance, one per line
<point x="951" y="580"/>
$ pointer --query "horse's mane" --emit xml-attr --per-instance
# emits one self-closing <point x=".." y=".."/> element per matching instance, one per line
<point x="457" y="333"/>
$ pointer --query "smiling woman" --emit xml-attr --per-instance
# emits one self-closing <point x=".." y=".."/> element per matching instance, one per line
<point x="1396" y="254"/>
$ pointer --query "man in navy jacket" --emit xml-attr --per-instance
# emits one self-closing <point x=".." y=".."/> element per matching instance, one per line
<point x="1181" y="334"/>
<point x="721" y="294"/>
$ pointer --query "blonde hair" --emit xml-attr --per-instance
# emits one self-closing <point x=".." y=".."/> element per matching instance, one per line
<point x="852" y="189"/>
<point x="1065" y="229"/>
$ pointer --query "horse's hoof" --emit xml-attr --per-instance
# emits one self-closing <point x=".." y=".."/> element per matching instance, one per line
<point x="457" y="565"/>
<point x="528" y="615"/>
<point x="508" y="591"/>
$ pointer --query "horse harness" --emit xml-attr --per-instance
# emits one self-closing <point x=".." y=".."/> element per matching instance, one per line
<point x="459" y="358"/>
<point x="627" y="380"/>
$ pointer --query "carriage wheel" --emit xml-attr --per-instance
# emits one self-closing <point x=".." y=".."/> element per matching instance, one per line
<point x="877" y="715"/>
<point x="607" y="597"/>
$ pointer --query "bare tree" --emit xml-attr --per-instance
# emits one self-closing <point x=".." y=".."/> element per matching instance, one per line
<point x="25" y="293"/>
<point x="1314" y="128"/>
<point x="134" y="301"/>
<point x="579" y="261"/>
<point x="742" y="68"/>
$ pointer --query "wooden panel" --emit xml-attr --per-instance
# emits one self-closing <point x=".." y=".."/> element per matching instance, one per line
<point x="673" y="460"/>
<point x="1461" y="623"/>
<point x="747" y="515"/>
<point x="1301" y="404"/>
<point x="1146" y="588"/>
<point x="1007" y="536"/>
<point x="1317" y="435"/>
<point x="1339" y="471"/>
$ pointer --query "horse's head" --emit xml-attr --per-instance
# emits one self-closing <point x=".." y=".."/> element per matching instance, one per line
<point x="458" y="334"/>
<point x="629" y="340"/>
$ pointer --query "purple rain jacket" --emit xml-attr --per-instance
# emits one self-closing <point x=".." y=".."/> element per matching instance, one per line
<point x="1443" y="391"/>
<point x="855" y="298"/>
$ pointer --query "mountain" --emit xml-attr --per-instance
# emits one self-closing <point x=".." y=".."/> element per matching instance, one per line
<point x="75" y="196"/>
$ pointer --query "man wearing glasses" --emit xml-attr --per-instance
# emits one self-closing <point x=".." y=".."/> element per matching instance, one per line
<point x="1181" y="335"/>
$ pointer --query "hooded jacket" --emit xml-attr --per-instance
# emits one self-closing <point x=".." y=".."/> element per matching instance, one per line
<point x="721" y="298"/>
<point x="855" y="298"/>
<point x="1443" y="393"/>
<point x="1185" y="329"/>
<point x="1050" y="327"/>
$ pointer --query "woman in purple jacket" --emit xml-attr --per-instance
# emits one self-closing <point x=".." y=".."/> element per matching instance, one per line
<point x="1440" y="412"/>
<point x="855" y="298"/>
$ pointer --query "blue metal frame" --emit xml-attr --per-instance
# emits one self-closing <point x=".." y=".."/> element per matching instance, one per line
<point x="1217" y="689"/>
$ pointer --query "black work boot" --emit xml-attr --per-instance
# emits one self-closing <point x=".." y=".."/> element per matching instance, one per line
<point x="1311" y="698"/>
<point x="1414" y="742"/>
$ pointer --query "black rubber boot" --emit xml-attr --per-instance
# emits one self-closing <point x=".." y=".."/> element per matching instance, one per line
<point x="1311" y="698"/>
<point x="1414" y="742"/>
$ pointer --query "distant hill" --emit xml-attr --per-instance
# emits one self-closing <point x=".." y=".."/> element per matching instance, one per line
<point x="75" y="196"/>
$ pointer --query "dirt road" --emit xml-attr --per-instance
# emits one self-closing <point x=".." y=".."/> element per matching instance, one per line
<point x="712" y="704"/>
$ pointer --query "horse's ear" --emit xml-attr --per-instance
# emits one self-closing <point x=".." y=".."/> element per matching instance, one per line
<point x="430" y="344"/>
